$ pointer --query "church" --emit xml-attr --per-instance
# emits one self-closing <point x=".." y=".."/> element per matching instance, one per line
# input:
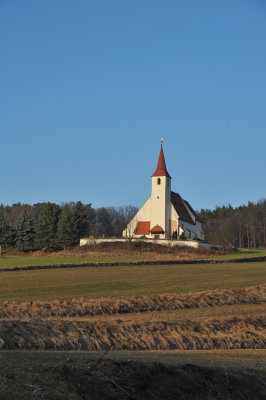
<point x="165" y="215"/>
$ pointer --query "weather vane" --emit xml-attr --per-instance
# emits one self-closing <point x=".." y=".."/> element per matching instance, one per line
<point x="162" y="139"/>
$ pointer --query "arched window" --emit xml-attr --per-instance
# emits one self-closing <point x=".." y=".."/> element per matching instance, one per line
<point x="158" y="181"/>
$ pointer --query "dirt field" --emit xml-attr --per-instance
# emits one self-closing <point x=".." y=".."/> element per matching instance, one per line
<point x="249" y="360"/>
<point x="122" y="376"/>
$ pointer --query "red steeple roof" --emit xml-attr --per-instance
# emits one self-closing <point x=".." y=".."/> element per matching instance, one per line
<point x="161" y="167"/>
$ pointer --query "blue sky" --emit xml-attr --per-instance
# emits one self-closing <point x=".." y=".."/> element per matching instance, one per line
<point x="87" y="88"/>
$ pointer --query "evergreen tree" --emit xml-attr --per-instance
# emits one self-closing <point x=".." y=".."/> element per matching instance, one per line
<point x="67" y="230"/>
<point x="83" y="216"/>
<point x="3" y="226"/>
<point x="46" y="226"/>
<point x="25" y="234"/>
<point x="11" y="237"/>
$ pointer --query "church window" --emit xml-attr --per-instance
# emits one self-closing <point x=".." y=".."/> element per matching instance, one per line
<point x="158" y="181"/>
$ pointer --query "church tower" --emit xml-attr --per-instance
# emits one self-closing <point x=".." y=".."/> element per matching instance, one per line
<point x="161" y="199"/>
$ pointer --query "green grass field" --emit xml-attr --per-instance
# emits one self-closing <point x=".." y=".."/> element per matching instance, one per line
<point x="242" y="253"/>
<point x="96" y="282"/>
<point x="14" y="262"/>
<point x="24" y="261"/>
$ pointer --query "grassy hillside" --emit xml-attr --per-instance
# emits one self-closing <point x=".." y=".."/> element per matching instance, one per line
<point x="14" y="262"/>
<point x="241" y="253"/>
<point x="117" y="281"/>
<point x="76" y="256"/>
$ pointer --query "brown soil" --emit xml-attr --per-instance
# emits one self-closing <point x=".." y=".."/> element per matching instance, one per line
<point x="80" y="379"/>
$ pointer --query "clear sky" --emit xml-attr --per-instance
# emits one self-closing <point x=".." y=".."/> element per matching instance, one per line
<point x="87" y="88"/>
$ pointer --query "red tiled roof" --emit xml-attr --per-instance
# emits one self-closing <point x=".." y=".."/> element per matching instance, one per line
<point x="181" y="209"/>
<point x="161" y="167"/>
<point x="143" y="228"/>
<point x="157" y="229"/>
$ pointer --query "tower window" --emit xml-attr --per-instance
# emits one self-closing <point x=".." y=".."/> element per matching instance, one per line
<point x="158" y="181"/>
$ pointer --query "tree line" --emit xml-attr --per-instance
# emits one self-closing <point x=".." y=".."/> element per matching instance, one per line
<point x="32" y="227"/>
<point x="29" y="227"/>
<point x="243" y="226"/>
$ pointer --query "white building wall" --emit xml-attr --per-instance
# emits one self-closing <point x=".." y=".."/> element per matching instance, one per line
<point x="190" y="230"/>
<point x="170" y="243"/>
<point x="143" y="214"/>
<point x="174" y="218"/>
<point x="161" y="203"/>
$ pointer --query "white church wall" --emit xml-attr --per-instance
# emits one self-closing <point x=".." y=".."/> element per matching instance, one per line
<point x="143" y="214"/>
<point x="174" y="221"/>
<point x="160" y="203"/>
<point x="170" y="243"/>
<point x="199" y="230"/>
<point x="190" y="230"/>
<point x="158" y="210"/>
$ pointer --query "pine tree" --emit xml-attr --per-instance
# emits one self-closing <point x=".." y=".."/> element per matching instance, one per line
<point x="67" y="231"/>
<point x="3" y="226"/>
<point x="46" y="226"/>
<point x="83" y="215"/>
<point x="25" y="234"/>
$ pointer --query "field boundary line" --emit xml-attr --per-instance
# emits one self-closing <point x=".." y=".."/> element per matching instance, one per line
<point x="133" y="263"/>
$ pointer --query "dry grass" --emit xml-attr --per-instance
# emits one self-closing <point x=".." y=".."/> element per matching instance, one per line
<point x="139" y="251"/>
<point x="112" y="252"/>
<point x="228" y="318"/>
<point x="193" y="314"/>
<point x="135" y="304"/>
<point x="207" y="320"/>
<point x="232" y="333"/>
